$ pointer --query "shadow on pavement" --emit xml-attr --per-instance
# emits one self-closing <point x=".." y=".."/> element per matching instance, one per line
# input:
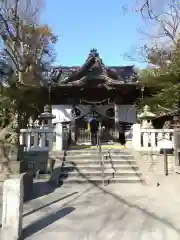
<point x="46" y="221"/>
<point x="37" y="205"/>
<point x="131" y="205"/>
<point x="142" y="209"/>
<point x="42" y="188"/>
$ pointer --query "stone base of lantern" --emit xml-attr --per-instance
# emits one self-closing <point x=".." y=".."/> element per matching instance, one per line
<point x="10" y="162"/>
<point x="10" y="168"/>
<point x="36" y="161"/>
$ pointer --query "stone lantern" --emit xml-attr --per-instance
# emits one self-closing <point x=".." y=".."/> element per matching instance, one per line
<point x="46" y="117"/>
<point x="176" y="119"/>
<point x="146" y="117"/>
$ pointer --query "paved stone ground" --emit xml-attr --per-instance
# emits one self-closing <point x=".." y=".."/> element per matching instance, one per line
<point x="121" y="211"/>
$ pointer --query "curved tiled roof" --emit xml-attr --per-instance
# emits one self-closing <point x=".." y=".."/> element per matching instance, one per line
<point x="94" y="68"/>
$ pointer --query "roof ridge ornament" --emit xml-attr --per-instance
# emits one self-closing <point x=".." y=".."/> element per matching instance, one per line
<point x="94" y="53"/>
<point x="97" y="62"/>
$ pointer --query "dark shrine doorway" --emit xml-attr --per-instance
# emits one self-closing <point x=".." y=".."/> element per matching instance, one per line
<point x="106" y="126"/>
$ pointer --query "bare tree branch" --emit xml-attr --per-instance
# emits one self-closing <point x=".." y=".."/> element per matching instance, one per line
<point x="164" y="15"/>
<point x="26" y="44"/>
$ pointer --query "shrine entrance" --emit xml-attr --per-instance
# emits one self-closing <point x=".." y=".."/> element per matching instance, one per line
<point x="106" y="126"/>
<point x="110" y="117"/>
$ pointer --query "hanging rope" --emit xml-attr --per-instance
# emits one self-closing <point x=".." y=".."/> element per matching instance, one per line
<point x="94" y="102"/>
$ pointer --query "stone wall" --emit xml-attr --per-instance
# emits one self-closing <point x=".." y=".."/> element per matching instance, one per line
<point x="155" y="163"/>
<point x="152" y="165"/>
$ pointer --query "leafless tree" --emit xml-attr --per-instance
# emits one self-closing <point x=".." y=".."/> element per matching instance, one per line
<point x="164" y="16"/>
<point x="25" y="42"/>
<point x="29" y="10"/>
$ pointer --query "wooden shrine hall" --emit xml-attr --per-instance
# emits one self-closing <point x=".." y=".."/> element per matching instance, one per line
<point x="94" y="90"/>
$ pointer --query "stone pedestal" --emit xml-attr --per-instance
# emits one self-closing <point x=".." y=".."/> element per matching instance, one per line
<point x="10" y="162"/>
<point x="8" y="168"/>
<point x="12" y="212"/>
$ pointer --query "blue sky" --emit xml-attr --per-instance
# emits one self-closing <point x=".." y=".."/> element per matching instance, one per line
<point x="82" y="25"/>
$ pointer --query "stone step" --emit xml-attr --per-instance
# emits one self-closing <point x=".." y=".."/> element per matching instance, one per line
<point x="103" y="145"/>
<point x="93" y="173"/>
<point x="83" y="165"/>
<point x="93" y="155"/>
<point x="116" y="162"/>
<point x="98" y="180"/>
<point x="97" y="156"/>
<point x="98" y="166"/>
<point x="95" y="151"/>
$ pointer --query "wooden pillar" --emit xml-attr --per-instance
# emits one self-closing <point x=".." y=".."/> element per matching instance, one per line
<point x="73" y="125"/>
<point x="117" y="103"/>
<point x="116" y="115"/>
<point x="116" y="120"/>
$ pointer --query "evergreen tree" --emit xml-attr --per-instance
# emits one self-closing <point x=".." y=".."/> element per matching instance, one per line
<point x="163" y="78"/>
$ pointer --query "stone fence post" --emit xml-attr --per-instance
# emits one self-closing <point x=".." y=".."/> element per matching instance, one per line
<point x="136" y="137"/>
<point x="12" y="212"/>
<point x="59" y="136"/>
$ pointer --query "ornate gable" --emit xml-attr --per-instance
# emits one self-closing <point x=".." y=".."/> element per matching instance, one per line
<point x="96" y="65"/>
<point x="94" y="69"/>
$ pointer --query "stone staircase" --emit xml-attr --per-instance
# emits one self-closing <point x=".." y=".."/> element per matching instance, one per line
<point x="84" y="165"/>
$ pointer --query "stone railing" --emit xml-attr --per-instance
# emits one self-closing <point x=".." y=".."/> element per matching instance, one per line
<point x="37" y="139"/>
<point x="150" y="139"/>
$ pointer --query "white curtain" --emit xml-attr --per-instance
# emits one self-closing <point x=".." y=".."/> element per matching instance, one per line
<point x="63" y="112"/>
<point x="127" y="113"/>
<point x="84" y="109"/>
<point x="103" y="109"/>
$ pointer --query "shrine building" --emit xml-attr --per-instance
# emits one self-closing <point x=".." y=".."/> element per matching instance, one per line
<point x="94" y="90"/>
